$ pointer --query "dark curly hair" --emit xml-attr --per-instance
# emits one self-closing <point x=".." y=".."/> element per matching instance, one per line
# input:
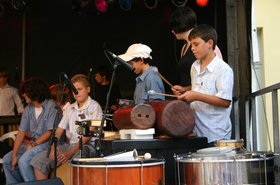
<point x="36" y="89"/>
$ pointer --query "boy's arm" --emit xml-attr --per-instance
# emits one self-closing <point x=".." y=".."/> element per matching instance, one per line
<point x="40" y="140"/>
<point x="58" y="134"/>
<point x="67" y="155"/>
<point x="17" y="144"/>
<point x="191" y="96"/>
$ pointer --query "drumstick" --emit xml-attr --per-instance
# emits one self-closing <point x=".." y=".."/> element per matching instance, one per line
<point x="152" y="92"/>
<point x="140" y="157"/>
<point x="164" y="79"/>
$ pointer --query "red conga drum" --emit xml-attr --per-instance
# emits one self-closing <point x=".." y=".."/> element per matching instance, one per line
<point x="140" y="116"/>
<point x="173" y="117"/>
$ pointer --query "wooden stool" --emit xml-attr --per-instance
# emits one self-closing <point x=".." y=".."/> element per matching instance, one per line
<point x="64" y="172"/>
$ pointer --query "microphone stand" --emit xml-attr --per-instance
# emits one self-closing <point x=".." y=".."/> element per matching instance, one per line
<point x="92" y="85"/>
<point x="53" y="139"/>
<point x="98" y="148"/>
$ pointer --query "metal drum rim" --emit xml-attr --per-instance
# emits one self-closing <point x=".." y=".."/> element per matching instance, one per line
<point x="149" y="162"/>
<point x="117" y="165"/>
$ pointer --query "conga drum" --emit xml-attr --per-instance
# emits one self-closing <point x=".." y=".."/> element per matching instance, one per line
<point x="173" y="117"/>
<point x="140" y="116"/>
<point x="222" y="165"/>
<point x="138" y="172"/>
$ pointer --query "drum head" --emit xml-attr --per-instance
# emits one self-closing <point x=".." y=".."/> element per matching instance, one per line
<point x="100" y="162"/>
<point x="214" y="152"/>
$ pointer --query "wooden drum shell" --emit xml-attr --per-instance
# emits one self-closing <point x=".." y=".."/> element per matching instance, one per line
<point x="173" y="117"/>
<point x="119" y="173"/>
<point x="140" y="116"/>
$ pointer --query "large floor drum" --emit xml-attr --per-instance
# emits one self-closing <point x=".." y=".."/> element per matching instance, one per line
<point x="138" y="172"/>
<point x="222" y="166"/>
<point x="140" y="116"/>
<point x="174" y="118"/>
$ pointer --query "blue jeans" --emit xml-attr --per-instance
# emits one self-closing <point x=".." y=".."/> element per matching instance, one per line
<point x="23" y="170"/>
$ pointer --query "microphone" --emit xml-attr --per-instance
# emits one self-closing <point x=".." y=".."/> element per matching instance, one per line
<point x="90" y="74"/>
<point x="124" y="63"/>
<point x="70" y="84"/>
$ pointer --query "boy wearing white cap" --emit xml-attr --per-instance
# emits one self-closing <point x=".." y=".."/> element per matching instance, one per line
<point x="139" y="55"/>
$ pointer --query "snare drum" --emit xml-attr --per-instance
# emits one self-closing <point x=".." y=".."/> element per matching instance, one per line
<point x="138" y="172"/>
<point x="222" y="165"/>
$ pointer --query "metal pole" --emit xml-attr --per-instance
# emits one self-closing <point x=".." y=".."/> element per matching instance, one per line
<point x="23" y="45"/>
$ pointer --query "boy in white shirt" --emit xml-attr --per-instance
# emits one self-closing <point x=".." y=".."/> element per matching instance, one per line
<point x="83" y="108"/>
<point x="212" y="87"/>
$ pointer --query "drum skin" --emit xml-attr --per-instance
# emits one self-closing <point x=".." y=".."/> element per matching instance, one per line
<point x="140" y="116"/>
<point x="173" y="117"/>
<point x="119" y="174"/>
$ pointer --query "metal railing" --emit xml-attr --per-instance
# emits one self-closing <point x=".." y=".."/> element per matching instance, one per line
<point x="251" y="123"/>
<point x="251" y="116"/>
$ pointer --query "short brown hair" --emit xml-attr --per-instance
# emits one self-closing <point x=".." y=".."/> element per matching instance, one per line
<point x="57" y="92"/>
<point x="81" y="78"/>
<point x="205" y="32"/>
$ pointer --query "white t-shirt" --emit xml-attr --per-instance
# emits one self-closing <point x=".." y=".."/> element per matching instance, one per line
<point x="9" y="97"/>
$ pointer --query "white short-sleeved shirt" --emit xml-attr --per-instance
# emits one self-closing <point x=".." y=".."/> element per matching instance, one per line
<point x="91" y="110"/>
<point x="217" y="79"/>
<point x="9" y="97"/>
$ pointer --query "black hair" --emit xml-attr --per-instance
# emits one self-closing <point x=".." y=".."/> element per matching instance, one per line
<point x="103" y="71"/>
<point x="3" y="72"/>
<point x="145" y="60"/>
<point x="183" y="19"/>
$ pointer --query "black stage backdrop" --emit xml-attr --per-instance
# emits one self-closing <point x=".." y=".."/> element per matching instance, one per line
<point x="60" y="39"/>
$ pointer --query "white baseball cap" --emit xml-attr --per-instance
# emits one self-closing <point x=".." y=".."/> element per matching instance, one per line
<point x="136" y="51"/>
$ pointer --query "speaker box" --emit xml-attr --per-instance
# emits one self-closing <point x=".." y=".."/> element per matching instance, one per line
<point x="55" y="181"/>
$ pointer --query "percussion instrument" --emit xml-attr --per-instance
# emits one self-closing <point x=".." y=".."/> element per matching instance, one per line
<point x="64" y="173"/>
<point x="136" y="172"/>
<point x="222" y="165"/>
<point x="173" y="117"/>
<point x="234" y="144"/>
<point x="140" y="116"/>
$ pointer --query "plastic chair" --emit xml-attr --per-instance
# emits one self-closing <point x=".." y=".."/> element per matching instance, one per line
<point x="8" y="135"/>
